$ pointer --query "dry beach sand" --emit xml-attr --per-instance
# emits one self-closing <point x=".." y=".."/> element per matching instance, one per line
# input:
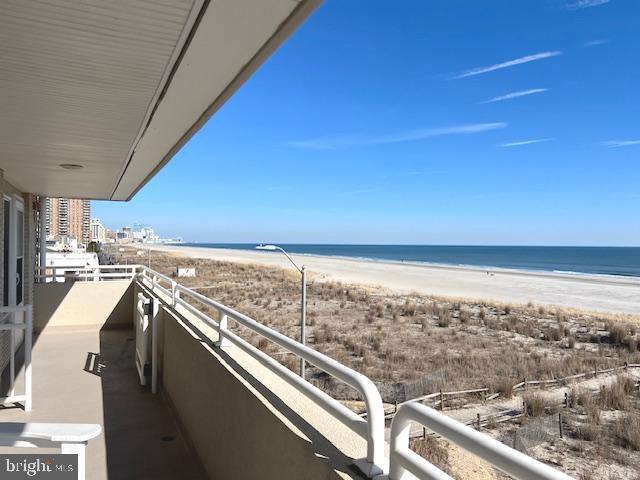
<point x="586" y="292"/>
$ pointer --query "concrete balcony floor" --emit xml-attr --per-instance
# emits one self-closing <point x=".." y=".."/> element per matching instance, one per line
<point x="87" y="375"/>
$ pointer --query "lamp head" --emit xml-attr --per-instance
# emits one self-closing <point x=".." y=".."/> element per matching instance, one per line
<point x="270" y="248"/>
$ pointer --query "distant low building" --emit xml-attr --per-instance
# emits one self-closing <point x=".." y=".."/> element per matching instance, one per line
<point x="123" y="237"/>
<point x="110" y="236"/>
<point x="66" y="244"/>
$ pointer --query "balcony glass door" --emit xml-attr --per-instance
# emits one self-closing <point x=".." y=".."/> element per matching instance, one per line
<point x="19" y="264"/>
<point x="6" y="264"/>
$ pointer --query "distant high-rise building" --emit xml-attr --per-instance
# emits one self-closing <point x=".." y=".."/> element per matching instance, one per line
<point x="98" y="231"/>
<point x="70" y="217"/>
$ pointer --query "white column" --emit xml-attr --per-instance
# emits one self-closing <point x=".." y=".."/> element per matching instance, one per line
<point x="43" y="236"/>
<point x="28" y="368"/>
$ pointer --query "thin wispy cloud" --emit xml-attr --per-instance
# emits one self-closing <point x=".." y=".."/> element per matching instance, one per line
<point x="596" y="42"/>
<point x="526" y="142"/>
<point x="507" y="64"/>
<point x="359" y="191"/>
<point x="620" y="143"/>
<point x="408" y="136"/>
<point x="511" y="95"/>
<point x="580" y="4"/>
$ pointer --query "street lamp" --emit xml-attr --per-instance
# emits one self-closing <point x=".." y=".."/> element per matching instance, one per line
<point x="303" y="309"/>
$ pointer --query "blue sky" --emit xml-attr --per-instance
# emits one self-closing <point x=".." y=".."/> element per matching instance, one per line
<point x="426" y="122"/>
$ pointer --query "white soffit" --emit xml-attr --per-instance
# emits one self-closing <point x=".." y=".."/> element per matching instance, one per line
<point x="230" y="42"/>
<point x="119" y="86"/>
<point x="77" y="79"/>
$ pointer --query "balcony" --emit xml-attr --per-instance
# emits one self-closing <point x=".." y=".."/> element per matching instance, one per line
<point x="179" y="394"/>
<point x="81" y="374"/>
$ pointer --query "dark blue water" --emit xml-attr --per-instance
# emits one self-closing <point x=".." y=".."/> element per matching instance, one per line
<point x="623" y="261"/>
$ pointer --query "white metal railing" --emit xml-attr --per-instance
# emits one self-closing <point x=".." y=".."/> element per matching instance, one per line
<point x="15" y="319"/>
<point x="371" y="428"/>
<point x="404" y="463"/>
<point x="86" y="273"/>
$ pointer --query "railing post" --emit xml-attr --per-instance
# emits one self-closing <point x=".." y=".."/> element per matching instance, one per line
<point x="28" y="341"/>
<point x="399" y="441"/>
<point x="222" y="327"/>
<point x="174" y="293"/>
<point x="375" y="429"/>
<point x="154" y="344"/>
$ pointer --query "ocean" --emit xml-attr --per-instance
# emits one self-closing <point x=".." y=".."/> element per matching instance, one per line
<point x="621" y="261"/>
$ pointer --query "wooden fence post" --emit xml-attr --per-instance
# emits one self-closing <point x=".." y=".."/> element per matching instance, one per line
<point x="626" y="365"/>
<point x="441" y="401"/>
<point x="566" y="400"/>
<point x="478" y="419"/>
<point x="524" y="383"/>
<point x="560" y="423"/>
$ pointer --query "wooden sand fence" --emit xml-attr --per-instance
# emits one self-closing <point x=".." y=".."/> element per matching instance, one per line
<point x="439" y="399"/>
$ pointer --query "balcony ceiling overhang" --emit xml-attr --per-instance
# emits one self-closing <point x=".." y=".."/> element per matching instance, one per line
<point x="118" y="87"/>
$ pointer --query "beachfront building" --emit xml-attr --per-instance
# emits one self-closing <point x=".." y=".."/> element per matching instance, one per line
<point x="98" y="231"/>
<point x="119" y="364"/>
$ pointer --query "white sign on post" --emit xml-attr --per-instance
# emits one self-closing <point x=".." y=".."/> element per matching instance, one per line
<point x="186" y="272"/>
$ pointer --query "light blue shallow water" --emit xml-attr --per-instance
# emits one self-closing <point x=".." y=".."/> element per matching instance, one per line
<point x="623" y="261"/>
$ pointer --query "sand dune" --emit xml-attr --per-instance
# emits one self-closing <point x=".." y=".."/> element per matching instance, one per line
<point x="590" y="292"/>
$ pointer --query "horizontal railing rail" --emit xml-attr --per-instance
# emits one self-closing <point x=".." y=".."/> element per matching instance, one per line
<point x="506" y="459"/>
<point x="371" y="429"/>
<point x="63" y="273"/>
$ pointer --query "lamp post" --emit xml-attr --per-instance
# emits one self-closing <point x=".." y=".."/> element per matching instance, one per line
<point x="303" y="306"/>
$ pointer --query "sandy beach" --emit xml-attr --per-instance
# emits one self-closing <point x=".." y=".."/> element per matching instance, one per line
<point x="589" y="292"/>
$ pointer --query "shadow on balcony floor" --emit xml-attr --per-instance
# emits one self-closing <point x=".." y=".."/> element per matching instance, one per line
<point x="85" y="375"/>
